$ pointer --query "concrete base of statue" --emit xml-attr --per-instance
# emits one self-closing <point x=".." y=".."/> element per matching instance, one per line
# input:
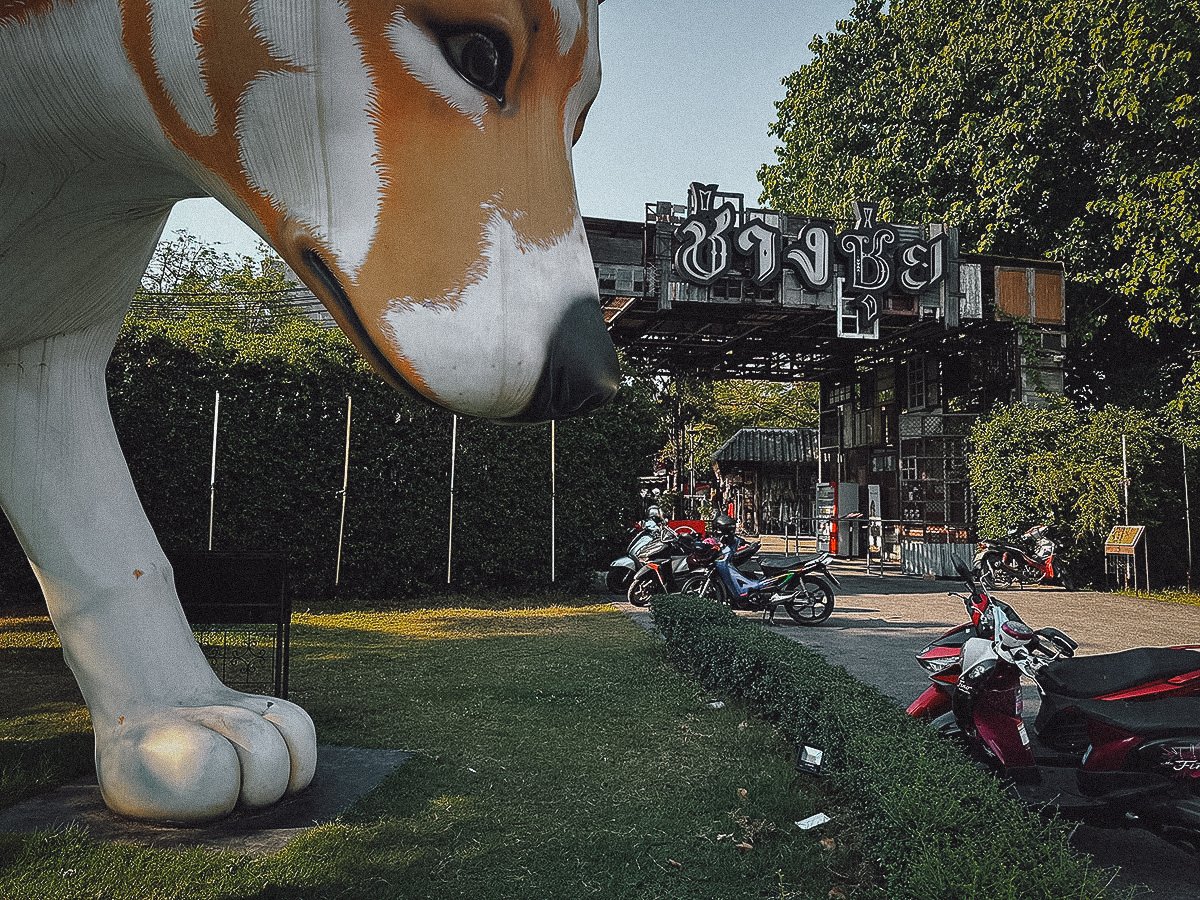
<point x="344" y="775"/>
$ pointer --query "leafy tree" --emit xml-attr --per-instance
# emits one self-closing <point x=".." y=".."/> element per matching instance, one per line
<point x="701" y="414"/>
<point x="1063" y="128"/>
<point x="1062" y="464"/>
<point x="189" y="277"/>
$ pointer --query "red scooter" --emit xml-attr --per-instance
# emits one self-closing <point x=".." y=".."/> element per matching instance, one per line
<point x="1117" y="739"/>
<point x="941" y="659"/>
<point x="1029" y="558"/>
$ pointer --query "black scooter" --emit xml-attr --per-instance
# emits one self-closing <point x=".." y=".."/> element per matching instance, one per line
<point x="666" y="562"/>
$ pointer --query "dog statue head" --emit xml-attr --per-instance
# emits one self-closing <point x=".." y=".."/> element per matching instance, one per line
<point x="411" y="160"/>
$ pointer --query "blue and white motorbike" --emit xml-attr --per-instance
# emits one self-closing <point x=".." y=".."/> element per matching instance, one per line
<point x="801" y="585"/>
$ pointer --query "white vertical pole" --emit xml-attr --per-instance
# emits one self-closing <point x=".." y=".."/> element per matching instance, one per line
<point x="1146" y="559"/>
<point x="212" y="478"/>
<point x="1125" y="475"/>
<point x="453" y="460"/>
<point x="692" y="473"/>
<point x="337" y="574"/>
<point x="553" y="501"/>
<point x="1187" y="515"/>
<point x="1125" y="483"/>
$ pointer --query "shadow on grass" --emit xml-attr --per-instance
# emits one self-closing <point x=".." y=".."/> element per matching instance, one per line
<point x="480" y="599"/>
<point x="31" y="767"/>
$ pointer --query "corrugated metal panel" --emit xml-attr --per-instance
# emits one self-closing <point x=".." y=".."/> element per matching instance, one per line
<point x="774" y="445"/>
<point x="937" y="560"/>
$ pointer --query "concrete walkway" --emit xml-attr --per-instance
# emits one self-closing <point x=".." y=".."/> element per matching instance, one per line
<point x="880" y="624"/>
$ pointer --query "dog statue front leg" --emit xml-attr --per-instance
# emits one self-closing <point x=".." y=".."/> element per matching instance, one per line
<point x="173" y="744"/>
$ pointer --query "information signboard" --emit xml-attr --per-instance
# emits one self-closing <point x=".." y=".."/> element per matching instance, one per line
<point x="1123" y="540"/>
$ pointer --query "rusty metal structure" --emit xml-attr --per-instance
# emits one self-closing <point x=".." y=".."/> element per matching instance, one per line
<point x="903" y="372"/>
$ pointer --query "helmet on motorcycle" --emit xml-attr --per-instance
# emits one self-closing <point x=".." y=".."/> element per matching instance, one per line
<point x="724" y="525"/>
<point x="704" y="552"/>
<point x="654" y="513"/>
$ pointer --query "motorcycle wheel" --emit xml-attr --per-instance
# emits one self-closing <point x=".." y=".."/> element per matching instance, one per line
<point x="703" y="586"/>
<point x="1064" y="577"/>
<point x="994" y="576"/>
<point x="615" y="581"/>
<point x="812" y="604"/>
<point x="641" y="590"/>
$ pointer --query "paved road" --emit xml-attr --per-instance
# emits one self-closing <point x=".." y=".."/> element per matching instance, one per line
<point x="879" y="624"/>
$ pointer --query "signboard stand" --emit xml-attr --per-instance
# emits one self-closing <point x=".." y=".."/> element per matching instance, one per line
<point x="1120" y="553"/>
<point x="874" y="526"/>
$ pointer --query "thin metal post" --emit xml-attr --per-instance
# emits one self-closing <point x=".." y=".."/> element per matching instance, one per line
<point x="1187" y="515"/>
<point x="1125" y="484"/>
<point x="337" y="574"/>
<point x="1146" y="558"/>
<point x="212" y="478"/>
<point x="553" y="500"/>
<point x="1125" y="475"/>
<point x="453" y="460"/>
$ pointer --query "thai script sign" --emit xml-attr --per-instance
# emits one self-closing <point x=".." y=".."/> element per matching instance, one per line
<point x="716" y="238"/>
<point x="1123" y="540"/>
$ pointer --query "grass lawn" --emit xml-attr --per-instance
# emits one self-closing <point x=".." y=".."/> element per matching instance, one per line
<point x="1167" y="595"/>
<point x="558" y="756"/>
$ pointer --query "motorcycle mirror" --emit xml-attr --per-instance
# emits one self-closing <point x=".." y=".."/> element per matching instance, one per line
<point x="961" y="568"/>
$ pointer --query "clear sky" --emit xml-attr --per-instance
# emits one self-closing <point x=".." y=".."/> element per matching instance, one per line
<point x="688" y="94"/>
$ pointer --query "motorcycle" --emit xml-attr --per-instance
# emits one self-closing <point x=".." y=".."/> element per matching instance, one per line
<point x="941" y="658"/>
<point x="621" y="570"/>
<point x="1116" y="742"/>
<point x="800" y="585"/>
<point x="667" y="562"/>
<point x="1028" y="558"/>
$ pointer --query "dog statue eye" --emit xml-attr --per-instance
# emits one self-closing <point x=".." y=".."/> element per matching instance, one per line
<point x="480" y="55"/>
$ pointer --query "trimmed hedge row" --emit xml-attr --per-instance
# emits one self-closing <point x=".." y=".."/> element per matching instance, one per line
<point x="279" y="467"/>
<point x="939" y="827"/>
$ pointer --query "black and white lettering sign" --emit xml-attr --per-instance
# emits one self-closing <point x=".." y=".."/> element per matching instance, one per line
<point x="705" y="251"/>
<point x="718" y="239"/>
<point x="923" y="265"/>
<point x="810" y="256"/>
<point x="761" y="243"/>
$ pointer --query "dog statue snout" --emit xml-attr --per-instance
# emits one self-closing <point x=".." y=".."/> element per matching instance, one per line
<point x="581" y="371"/>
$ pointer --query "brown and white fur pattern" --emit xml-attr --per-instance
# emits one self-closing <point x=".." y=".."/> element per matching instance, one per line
<point x="437" y="223"/>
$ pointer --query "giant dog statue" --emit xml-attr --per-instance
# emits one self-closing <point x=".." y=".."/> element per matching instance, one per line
<point x="410" y="159"/>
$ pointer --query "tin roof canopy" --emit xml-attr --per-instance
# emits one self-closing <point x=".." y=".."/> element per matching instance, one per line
<point x="788" y="446"/>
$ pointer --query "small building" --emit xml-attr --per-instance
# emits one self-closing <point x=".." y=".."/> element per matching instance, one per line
<point x="769" y="475"/>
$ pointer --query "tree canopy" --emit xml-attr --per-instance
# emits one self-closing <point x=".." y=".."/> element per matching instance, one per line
<point x="190" y="278"/>
<point x="1060" y="128"/>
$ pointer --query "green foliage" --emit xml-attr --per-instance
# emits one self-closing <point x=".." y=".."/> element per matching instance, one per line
<point x="1062" y="464"/>
<point x="938" y="827"/>
<point x="188" y="277"/>
<point x="700" y="414"/>
<point x="1063" y="128"/>
<point x="280" y="456"/>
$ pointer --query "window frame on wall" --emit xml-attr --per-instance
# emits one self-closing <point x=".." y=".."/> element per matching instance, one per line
<point x="916" y="389"/>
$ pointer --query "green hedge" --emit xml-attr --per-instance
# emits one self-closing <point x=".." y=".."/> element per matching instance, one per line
<point x="939" y="827"/>
<point x="283" y="408"/>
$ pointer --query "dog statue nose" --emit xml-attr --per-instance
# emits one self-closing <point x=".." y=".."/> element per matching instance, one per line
<point x="581" y="371"/>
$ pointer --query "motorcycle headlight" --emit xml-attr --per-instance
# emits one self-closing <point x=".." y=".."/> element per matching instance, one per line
<point x="937" y="664"/>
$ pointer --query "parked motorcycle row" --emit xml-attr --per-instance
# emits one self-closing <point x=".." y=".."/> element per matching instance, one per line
<point x="1029" y="557"/>
<point x="1116" y="742"/>
<point x="724" y="568"/>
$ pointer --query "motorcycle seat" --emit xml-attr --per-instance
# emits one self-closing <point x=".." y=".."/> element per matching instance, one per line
<point x="1090" y="676"/>
<point x="779" y="564"/>
<point x="1171" y="715"/>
